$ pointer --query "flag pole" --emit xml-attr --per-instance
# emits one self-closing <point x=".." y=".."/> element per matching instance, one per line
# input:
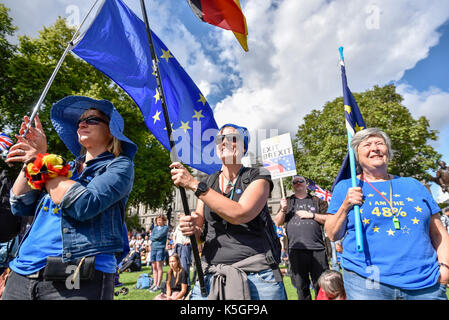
<point x="282" y="189"/>
<point x="55" y="72"/>
<point x="357" y="221"/>
<point x="173" y="152"/>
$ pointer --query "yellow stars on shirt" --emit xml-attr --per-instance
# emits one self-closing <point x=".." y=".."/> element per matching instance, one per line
<point x="365" y="221"/>
<point x="202" y="99"/>
<point x="409" y="199"/>
<point x="384" y="193"/>
<point x="198" y="115"/>
<point x="376" y="229"/>
<point x="370" y="195"/>
<point x="56" y="210"/>
<point x="396" y="195"/>
<point x="45" y="208"/>
<point x="185" y="126"/>
<point x="166" y="55"/>
<point x="156" y="116"/>
<point x="418" y="209"/>
<point x="390" y="232"/>
<point x="415" y="221"/>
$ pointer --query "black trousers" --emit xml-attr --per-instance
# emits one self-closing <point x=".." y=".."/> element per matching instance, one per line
<point x="19" y="287"/>
<point x="305" y="264"/>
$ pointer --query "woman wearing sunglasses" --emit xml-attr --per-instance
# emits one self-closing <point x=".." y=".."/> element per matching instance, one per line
<point x="70" y="250"/>
<point x="231" y="206"/>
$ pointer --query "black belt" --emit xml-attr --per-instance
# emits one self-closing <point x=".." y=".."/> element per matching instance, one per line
<point x="37" y="275"/>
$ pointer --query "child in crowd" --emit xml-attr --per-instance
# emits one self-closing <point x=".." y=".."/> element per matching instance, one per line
<point x="331" y="286"/>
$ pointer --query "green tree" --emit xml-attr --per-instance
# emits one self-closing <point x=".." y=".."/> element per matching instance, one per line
<point x="321" y="141"/>
<point x="28" y="69"/>
<point x="6" y="49"/>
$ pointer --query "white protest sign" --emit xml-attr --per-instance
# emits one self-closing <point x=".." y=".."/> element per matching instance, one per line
<point x="277" y="156"/>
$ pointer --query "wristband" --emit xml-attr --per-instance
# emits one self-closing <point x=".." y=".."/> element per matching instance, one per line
<point x="44" y="167"/>
<point x="441" y="264"/>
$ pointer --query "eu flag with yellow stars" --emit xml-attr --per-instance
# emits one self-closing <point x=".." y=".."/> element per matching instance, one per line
<point x="354" y="123"/>
<point x="116" y="43"/>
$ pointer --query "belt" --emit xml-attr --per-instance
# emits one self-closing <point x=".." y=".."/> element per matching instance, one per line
<point x="37" y="274"/>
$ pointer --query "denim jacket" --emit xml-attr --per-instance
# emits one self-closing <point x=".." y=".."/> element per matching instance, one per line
<point x="93" y="209"/>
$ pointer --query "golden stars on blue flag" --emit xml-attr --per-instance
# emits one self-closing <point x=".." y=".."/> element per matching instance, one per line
<point x="166" y="55"/>
<point x="156" y="116"/>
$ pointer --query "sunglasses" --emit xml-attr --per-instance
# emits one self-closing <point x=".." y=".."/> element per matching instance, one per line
<point x="92" y="120"/>
<point x="299" y="181"/>
<point x="232" y="137"/>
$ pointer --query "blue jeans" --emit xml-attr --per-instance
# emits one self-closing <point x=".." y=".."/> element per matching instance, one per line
<point x="262" y="286"/>
<point x="360" y="288"/>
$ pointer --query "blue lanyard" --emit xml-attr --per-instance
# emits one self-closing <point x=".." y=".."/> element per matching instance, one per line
<point x="233" y="184"/>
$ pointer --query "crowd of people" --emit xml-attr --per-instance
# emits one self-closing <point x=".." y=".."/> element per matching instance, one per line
<point x="155" y="247"/>
<point x="79" y="209"/>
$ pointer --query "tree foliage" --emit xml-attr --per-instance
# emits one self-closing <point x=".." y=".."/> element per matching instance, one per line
<point x="321" y="141"/>
<point x="28" y="67"/>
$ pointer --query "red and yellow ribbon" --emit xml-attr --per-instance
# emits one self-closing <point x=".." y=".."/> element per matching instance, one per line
<point x="46" y="166"/>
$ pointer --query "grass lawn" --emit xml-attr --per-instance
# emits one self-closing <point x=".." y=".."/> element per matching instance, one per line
<point x="129" y="280"/>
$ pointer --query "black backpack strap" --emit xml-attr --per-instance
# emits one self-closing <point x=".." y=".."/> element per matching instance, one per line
<point x="210" y="180"/>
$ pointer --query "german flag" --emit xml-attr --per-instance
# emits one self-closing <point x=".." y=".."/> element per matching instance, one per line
<point x="225" y="14"/>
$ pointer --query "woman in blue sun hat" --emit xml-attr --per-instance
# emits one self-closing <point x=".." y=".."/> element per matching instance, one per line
<point x="70" y="250"/>
<point x="237" y="258"/>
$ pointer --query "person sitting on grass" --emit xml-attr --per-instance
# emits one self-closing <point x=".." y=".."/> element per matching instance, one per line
<point x="176" y="287"/>
<point x="132" y="262"/>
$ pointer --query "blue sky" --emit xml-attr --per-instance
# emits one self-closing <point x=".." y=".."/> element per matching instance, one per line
<point x="434" y="70"/>
<point x="292" y="66"/>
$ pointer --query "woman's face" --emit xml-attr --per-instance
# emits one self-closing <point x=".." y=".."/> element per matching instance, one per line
<point x="94" y="132"/>
<point x="173" y="262"/>
<point x="230" y="150"/>
<point x="373" y="153"/>
<point x="159" y="222"/>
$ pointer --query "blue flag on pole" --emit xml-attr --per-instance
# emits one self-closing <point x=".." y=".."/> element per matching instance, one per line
<point x="116" y="44"/>
<point x="354" y="123"/>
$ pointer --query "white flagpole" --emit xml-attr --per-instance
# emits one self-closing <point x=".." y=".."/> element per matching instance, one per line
<point x="282" y="189"/>
<point x="55" y="71"/>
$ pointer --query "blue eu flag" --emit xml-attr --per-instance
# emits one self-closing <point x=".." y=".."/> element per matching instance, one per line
<point x="116" y="44"/>
<point x="354" y="123"/>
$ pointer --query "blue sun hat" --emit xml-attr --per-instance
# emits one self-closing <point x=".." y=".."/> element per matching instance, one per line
<point x="242" y="131"/>
<point x="65" y="113"/>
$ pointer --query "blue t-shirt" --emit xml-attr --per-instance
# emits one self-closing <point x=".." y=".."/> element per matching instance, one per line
<point x="404" y="258"/>
<point x="45" y="240"/>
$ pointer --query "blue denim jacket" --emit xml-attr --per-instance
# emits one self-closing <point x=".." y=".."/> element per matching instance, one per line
<point x="93" y="209"/>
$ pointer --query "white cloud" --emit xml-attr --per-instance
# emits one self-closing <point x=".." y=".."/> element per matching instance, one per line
<point x="183" y="45"/>
<point x="441" y="197"/>
<point x="433" y="104"/>
<point x="292" y="66"/>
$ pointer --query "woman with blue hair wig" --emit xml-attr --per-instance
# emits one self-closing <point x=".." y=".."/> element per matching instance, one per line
<point x="231" y="207"/>
<point x="78" y="223"/>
